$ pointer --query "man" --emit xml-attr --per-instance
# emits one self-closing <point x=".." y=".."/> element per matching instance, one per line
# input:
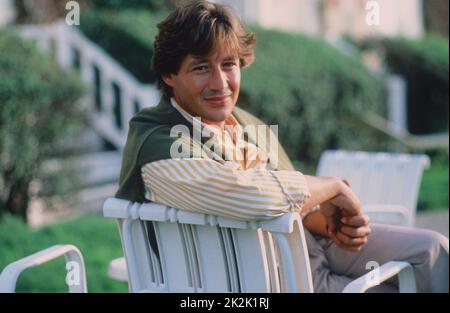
<point x="198" y="56"/>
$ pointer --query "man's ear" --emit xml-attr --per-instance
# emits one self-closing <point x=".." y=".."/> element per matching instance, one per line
<point x="168" y="79"/>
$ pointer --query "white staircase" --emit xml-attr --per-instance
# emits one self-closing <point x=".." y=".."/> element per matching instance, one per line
<point x="114" y="95"/>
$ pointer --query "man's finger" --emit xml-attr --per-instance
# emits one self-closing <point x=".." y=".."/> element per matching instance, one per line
<point x="342" y="245"/>
<point x="331" y="225"/>
<point x="351" y="231"/>
<point x="350" y="241"/>
<point x="356" y="220"/>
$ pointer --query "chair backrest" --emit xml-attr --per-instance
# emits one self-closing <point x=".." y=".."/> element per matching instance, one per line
<point x="196" y="252"/>
<point x="378" y="178"/>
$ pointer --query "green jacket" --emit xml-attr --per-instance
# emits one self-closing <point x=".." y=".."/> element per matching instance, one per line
<point x="149" y="140"/>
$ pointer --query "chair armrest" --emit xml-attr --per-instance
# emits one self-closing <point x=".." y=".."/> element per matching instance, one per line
<point x="282" y="224"/>
<point x="117" y="269"/>
<point x="404" y="270"/>
<point x="387" y="214"/>
<point x="9" y="276"/>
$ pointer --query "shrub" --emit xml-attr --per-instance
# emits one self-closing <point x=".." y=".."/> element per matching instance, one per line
<point x="424" y="64"/>
<point x="152" y="5"/>
<point x="127" y="36"/>
<point x="38" y="108"/>
<point x="311" y="90"/>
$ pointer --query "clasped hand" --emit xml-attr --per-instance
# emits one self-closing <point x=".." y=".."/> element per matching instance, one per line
<point x="346" y="225"/>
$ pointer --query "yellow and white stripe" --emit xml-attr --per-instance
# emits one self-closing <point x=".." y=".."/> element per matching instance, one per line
<point x="207" y="186"/>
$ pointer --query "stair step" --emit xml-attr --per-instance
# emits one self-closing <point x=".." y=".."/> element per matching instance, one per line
<point x="86" y="201"/>
<point x="93" y="168"/>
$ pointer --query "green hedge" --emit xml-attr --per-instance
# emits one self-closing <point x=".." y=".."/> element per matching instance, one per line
<point x="127" y="36"/>
<point x="424" y="63"/>
<point x="306" y="86"/>
<point x="152" y="5"/>
<point x="311" y="90"/>
<point x="38" y="109"/>
<point x="96" y="237"/>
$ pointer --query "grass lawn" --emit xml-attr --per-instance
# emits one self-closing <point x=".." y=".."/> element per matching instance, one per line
<point x="95" y="236"/>
<point x="434" y="188"/>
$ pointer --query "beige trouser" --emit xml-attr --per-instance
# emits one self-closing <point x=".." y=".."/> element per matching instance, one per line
<point x="333" y="268"/>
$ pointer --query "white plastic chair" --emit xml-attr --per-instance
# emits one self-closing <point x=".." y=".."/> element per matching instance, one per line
<point x="10" y="274"/>
<point x="387" y="184"/>
<point x="202" y="253"/>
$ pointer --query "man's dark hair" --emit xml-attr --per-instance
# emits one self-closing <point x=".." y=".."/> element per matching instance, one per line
<point x="197" y="28"/>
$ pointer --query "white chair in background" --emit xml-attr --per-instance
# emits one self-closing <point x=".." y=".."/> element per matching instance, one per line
<point x="387" y="184"/>
<point x="74" y="262"/>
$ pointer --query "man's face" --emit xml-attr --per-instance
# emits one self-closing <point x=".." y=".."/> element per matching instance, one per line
<point x="207" y="86"/>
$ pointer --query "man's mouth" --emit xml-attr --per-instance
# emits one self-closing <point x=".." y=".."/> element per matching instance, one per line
<point x="218" y="100"/>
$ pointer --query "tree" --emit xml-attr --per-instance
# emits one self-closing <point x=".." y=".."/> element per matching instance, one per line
<point x="38" y="108"/>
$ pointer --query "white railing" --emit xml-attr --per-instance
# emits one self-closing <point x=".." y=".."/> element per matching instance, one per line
<point x="114" y="94"/>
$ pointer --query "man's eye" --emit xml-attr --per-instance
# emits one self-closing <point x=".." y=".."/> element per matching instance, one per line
<point x="201" y="68"/>
<point x="230" y="64"/>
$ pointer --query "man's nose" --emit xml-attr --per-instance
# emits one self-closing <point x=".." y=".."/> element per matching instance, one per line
<point x="218" y="81"/>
